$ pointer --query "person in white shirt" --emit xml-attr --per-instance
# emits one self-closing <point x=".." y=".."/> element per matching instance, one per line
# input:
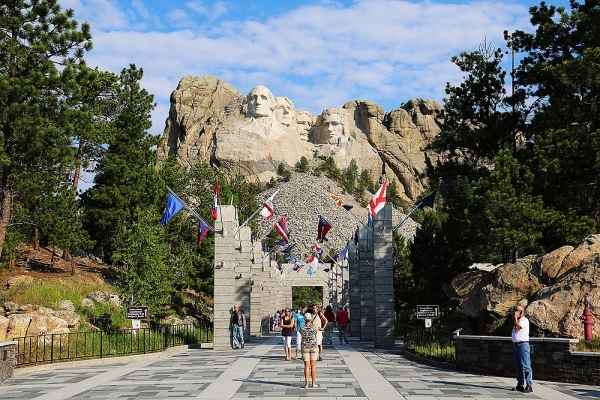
<point x="521" y="349"/>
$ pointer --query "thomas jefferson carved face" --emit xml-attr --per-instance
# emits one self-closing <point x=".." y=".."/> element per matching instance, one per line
<point x="285" y="111"/>
<point x="261" y="102"/>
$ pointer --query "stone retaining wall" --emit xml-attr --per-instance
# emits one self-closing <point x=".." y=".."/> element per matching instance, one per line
<point x="552" y="359"/>
<point x="7" y="360"/>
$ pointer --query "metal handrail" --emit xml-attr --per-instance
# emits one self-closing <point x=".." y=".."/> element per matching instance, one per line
<point x="59" y="347"/>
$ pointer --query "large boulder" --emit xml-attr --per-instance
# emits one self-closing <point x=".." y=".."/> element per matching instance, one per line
<point x="56" y="325"/>
<point x="66" y="305"/>
<point x="3" y="328"/>
<point x="73" y="319"/>
<point x="551" y="263"/>
<point x="558" y="307"/>
<point x="19" y="280"/>
<point x="511" y="283"/>
<point x="557" y="286"/>
<point x="590" y="245"/>
<point x="18" y="324"/>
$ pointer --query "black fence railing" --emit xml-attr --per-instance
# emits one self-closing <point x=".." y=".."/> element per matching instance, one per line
<point x="426" y="342"/>
<point x="59" y="347"/>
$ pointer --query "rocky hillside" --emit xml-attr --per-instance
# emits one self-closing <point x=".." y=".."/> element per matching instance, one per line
<point x="304" y="198"/>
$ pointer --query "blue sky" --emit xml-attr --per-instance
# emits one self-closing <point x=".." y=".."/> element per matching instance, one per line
<point x="320" y="54"/>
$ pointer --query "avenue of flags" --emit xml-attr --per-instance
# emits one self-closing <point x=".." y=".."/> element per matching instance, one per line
<point x="318" y="253"/>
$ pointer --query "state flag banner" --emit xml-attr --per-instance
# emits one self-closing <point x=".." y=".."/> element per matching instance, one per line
<point x="282" y="229"/>
<point x="203" y="229"/>
<point x="428" y="201"/>
<point x="214" y="211"/>
<point x="268" y="209"/>
<point x="378" y="201"/>
<point x="173" y="207"/>
<point x="322" y="229"/>
<point x="338" y="202"/>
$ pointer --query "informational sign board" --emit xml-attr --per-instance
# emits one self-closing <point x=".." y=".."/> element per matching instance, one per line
<point x="140" y="312"/>
<point x="428" y="311"/>
<point x="428" y="323"/>
<point x="136" y="323"/>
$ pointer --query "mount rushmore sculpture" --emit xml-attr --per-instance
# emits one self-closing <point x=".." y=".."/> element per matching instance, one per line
<point x="209" y="120"/>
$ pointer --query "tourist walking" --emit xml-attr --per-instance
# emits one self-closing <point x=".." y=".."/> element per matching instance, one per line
<point x="237" y="324"/>
<point x="287" y="323"/>
<point x="310" y="350"/>
<point x="320" y="322"/>
<point x="521" y="350"/>
<point x="328" y="333"/>
<point x="276" y="319"/>
<point x="299" y="317"/>
<point x="342" y="321"/>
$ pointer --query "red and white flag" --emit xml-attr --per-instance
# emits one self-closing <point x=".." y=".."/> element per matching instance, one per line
<point x="268" y="209"/>
<point x="214" y="211"/>
<point x="378" y="201"/>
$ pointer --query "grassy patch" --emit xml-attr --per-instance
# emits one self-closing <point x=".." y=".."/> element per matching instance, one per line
<point x="592" y="345"/>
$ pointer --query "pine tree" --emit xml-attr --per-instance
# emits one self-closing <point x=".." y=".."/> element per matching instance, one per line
<point x="126" y="178"/>
<point x="37" y="37"/>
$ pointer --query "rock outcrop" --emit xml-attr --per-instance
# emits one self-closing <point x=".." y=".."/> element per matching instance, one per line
<point x="556" y="287"/>
<point x="209" y="120"/>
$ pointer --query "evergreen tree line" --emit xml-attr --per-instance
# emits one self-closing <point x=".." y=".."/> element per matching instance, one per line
<point x="58" y="117"/>
<point x="521" y="154"/>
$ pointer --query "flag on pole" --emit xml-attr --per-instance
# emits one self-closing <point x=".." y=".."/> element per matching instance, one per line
<point x="428" y="201"/>
<point x="268" y="207"/>
<point x="298" y="266"/>
<point x="214" y="211"/>
<point x="338" y="201"/>
<point x="277" y="265"/>
<point x="280" y="243"/>
<point x="203" y="229"/>
<point x="323" y="228"/>
<point x="378" y="201"/>
<point x="319" y="249"/>
<point x="288" y="249"/>
<point x="311" y="271"/>
<point x="173" y="207"/>
<point x="282" y="229"/>
<point x="292" y="258"/>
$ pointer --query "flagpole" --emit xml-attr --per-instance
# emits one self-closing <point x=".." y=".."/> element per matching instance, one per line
<point x="255" y="212"/>
<point x="194" y="213"/>
<point x="406" y="217"/>
<point x="223" y="230"/>
<point x="260" y="240"/>
<point x="359" y="220"/>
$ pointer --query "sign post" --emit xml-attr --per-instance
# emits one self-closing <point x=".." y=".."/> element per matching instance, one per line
<point x="428" y="312"/>
<point x="140" y="312"/>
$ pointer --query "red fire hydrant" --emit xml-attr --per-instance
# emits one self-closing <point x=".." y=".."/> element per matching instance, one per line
<point x="588" y="323"/>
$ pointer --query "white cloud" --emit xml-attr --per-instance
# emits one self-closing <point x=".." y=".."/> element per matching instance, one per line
<point x="319" y="56"/>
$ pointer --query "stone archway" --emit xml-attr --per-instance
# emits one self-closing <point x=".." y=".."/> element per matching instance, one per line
<point x="242" y="277"/>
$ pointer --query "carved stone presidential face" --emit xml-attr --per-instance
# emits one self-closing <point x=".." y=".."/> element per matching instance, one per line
<point x="303" y="124"/>
<point x="333" y="130"/>
<point x="261" y="102"/>
<point x="285" y="111"/>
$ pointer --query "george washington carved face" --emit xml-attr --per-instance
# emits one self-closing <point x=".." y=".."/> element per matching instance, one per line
<point x="261" y="102"/>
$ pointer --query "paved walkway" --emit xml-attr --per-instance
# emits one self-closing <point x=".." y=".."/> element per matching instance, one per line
<point x="355" y="371"/>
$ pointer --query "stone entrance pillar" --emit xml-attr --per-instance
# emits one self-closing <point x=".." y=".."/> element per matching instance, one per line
<point x="383" y="270"/>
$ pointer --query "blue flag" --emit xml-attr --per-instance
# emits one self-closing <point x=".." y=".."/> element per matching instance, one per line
<point x="287" y="250"/>
<point x="428" y="201"/>
<point x="172" y="208"/>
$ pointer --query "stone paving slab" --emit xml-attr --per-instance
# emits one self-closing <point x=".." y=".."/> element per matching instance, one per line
<point x="260" y="371"/>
